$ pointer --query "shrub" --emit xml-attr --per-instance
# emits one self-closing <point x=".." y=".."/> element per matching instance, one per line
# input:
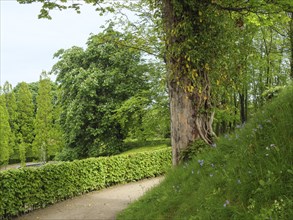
<point x="26" y="189"/>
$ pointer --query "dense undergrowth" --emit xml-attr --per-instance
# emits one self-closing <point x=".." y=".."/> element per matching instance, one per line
<point x="248" y="175"/>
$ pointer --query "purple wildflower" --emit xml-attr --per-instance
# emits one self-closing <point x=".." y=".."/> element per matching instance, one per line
<point x="201" y="162"/>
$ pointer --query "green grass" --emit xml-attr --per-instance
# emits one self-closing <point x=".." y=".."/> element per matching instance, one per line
<point x="135" y="146"/>
<point x="248" y="175"/>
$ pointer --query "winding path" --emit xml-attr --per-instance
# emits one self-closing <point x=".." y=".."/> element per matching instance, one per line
<point x="101" y="205"/>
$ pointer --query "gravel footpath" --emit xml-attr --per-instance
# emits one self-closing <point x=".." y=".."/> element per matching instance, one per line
<point x="101" y="205"/>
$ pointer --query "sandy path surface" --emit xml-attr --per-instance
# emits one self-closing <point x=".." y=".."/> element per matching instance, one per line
<point x="102" y="205"/>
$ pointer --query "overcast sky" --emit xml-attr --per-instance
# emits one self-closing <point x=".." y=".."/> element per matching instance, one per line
<point x="28" y="43"/>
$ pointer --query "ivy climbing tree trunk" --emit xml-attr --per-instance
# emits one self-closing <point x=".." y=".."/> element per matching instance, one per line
<point x="188" y="83"/>
<point x="188" y="123"/>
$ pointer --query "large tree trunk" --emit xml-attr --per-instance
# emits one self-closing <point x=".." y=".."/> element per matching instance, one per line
<point x="188" y="122"/>
<point x="189" y="88"/>
<point x="183" y="120"/>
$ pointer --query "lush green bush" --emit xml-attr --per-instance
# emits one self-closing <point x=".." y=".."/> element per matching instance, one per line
<point x="30" y="188"/>
<point x="248" y="175"/>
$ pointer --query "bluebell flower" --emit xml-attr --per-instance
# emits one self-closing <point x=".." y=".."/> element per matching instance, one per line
<point x="214" y="145"/>
<point x="201" y="162"/>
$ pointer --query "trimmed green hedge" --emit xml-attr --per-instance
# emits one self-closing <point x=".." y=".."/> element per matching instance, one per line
<point x="25" y="189"/>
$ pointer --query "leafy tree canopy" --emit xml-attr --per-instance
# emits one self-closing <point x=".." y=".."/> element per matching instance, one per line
<point x="95" y="83"/>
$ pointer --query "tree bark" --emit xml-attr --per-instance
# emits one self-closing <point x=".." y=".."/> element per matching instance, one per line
<point x="190" y="105"/>
<point x="183" y="120"/>
<point x="188" y="122"/>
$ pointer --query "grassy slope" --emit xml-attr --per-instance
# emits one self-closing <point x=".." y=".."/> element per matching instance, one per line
<point x="247" y="176"/>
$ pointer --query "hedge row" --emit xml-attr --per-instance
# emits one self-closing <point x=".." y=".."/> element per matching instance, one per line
<point x="25" y="189"/>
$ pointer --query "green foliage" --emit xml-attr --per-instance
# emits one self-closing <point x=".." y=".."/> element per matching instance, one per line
<point x="103" y="93"/>
<point x="30" y="188"/>
<point x="272" y="92"/>
<point x="12" y="111"/>
<point x="140" y="114"/>
<point x="22" y="153"/>
<point x="5" y="132"/>
<point x="248" y="175"/>
<point x="67" y="154"/>
<point x="44" y="143"/>
<point x="130" y="114"/>
<point x="25" y="116"/>
<point x="21" y="104"/>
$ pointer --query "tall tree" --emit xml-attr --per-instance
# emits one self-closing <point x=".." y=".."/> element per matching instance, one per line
<point x="12" y="111"/>
<point x="94" y="83"/>
<point x="5" y="132"/>
<point x="42" y="144"/>
<point x="57" y="141"/>
<point x="193" y="44"/>
<point x="25" y="118"/>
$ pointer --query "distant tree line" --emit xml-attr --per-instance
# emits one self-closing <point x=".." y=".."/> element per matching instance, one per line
<point x="30" y="125"/>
